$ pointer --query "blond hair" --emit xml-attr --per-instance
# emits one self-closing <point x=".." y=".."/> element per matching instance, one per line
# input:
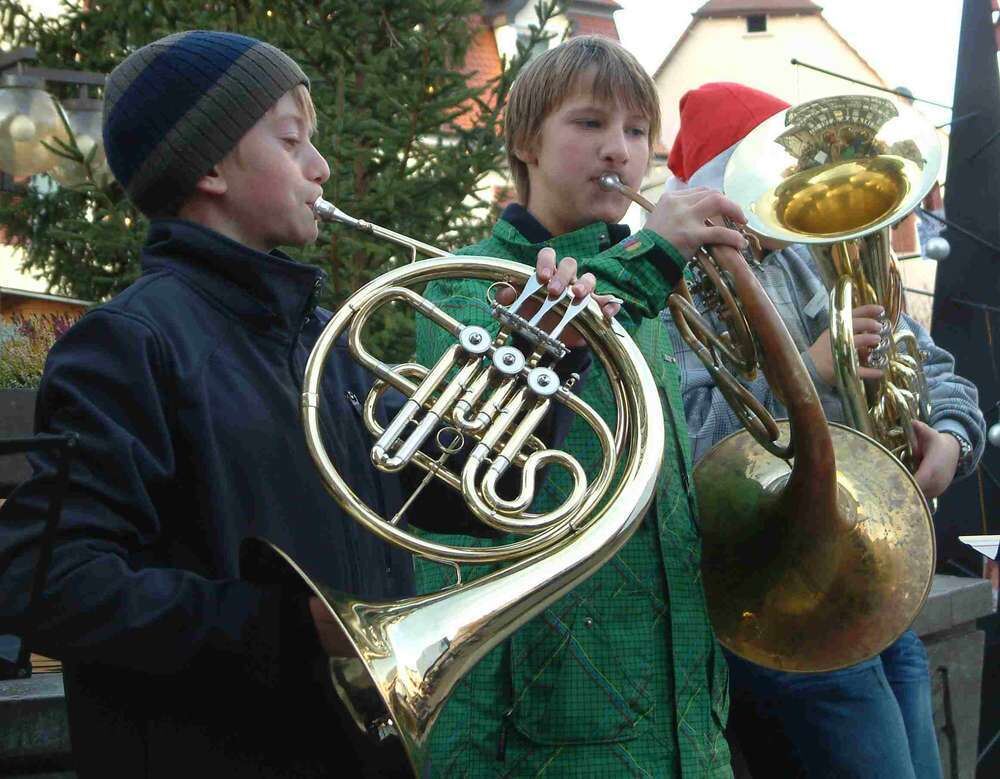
<point x="550" y="78"/>
<point x="304" y="102"/>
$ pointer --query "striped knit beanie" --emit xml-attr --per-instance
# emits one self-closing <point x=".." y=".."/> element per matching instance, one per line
<point x="176" y="107"/>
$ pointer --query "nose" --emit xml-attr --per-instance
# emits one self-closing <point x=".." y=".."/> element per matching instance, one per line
<point x="614" y="146"/>
<point x="317" y="168"/>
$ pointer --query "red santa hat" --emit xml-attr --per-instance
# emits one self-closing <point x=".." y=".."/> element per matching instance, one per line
<point x="714" y="118"/>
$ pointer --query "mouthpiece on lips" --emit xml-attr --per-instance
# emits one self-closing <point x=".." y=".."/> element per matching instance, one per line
<point x="610" y="182"/>
<point x="324" y="210"/>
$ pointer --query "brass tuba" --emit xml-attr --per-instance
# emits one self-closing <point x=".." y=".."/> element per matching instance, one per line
<point x="410" y="654"/>
<point x="824" y="562"/>
<point x="830" y="572"/>
<point x="836" y="173"/>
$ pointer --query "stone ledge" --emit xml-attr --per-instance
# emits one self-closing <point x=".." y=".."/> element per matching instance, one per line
<point x="953" y="601"/>
<point x="33" y="726"/>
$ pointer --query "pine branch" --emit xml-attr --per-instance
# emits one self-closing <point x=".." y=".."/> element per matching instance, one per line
<point x="392" y="101"/>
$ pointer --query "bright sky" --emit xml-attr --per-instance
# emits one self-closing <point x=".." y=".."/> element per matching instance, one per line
<point x="911" y="44"/>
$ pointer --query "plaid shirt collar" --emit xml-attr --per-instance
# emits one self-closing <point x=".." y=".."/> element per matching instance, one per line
<point x="517" y="225"/>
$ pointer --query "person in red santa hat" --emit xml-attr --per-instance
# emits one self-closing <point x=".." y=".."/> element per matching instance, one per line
<point x="873" y="719"/>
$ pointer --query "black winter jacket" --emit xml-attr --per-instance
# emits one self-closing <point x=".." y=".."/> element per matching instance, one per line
<point x="184" y="392"/>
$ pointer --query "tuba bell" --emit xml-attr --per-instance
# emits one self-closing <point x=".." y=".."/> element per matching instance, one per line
<point x="835" y="174"/>
<point x="410" y="654"/>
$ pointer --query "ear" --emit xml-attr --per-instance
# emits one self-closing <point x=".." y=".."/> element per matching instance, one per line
<point x="212" y="183"/>
<point x="528" y="156"/>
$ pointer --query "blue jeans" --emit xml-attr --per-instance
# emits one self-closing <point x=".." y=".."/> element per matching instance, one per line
<point x="873" y="720"/>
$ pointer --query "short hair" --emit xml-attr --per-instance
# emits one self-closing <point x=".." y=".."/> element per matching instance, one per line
<point x="304" y="102"/>
<point x="550" y="78"/>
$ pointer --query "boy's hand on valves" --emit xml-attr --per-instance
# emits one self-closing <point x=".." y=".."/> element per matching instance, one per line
<point x="557" y="276"/>
<point x="680" y="217"/>
<point x="869" y="331"/>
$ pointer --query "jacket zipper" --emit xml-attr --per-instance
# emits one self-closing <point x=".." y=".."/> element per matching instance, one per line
<point x="502" y="741"/>
<point x="313" y="299"/>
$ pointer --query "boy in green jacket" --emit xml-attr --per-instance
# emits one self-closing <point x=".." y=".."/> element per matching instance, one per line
<point x="622" y="677"/>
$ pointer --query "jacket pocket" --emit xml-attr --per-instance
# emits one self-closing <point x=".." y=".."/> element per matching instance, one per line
<point x="583" y="672"/>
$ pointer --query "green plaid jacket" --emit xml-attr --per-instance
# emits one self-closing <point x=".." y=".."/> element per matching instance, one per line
<point x="622" y="676"/>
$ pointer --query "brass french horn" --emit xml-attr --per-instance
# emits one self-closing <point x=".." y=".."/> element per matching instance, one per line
<point x="817" y="553"/>
<point x="410" y="654"/>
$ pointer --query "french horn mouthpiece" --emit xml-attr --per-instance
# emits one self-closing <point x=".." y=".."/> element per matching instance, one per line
<point x="610" y="182"/>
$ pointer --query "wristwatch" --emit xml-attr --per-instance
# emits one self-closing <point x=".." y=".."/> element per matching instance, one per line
<point x="964" y="447"/>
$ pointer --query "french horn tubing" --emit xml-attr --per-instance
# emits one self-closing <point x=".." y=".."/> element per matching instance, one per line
<point x="493" y="391"/>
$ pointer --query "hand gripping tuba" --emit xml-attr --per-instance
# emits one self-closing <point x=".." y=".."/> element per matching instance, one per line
<point x="410" y="654"/>
<point x="809" y="567"/>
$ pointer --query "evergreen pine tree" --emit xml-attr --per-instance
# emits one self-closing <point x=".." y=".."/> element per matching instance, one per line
<point x="408" y="135"/>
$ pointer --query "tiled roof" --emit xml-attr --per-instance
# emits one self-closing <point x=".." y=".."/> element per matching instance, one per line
<point x="588" y="24"/>
<point x="744" y="7"/>
<point x="482" y="60"/>
<point x="12" y="292"/>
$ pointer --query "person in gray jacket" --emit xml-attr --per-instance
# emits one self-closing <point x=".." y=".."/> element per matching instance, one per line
<point x="873" y="719"/>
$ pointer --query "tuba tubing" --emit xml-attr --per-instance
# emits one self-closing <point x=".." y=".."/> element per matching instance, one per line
<point x="835" y="174"/>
